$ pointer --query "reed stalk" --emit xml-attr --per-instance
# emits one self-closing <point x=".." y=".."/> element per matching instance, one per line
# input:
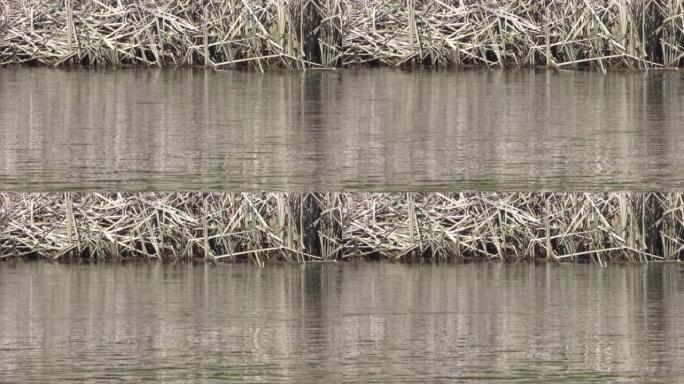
<point x="205" y="39"/>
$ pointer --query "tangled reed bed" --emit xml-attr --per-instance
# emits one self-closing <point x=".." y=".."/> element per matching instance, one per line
<point x="310" y="33"/>
<point x="297" y="227"/>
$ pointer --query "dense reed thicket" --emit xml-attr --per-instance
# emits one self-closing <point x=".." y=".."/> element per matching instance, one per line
<point x="310" y="33"/>
<point x="335" y="226"/>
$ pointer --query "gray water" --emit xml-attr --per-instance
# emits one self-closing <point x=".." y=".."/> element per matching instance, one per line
<point x="354" y="130"/>
<point x="341" y="322"/>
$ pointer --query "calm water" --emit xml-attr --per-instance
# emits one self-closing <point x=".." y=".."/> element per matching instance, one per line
<point x="344" y="130"/>
<point x="341" y="322"/>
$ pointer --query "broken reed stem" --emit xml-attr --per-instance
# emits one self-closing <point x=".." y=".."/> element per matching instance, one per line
<point x="205" y="36"/>
<point x="293" y="227"/>
<point x="547" y="35"/>
<point x="297" y="34"/>
<point x="69" y="24"/>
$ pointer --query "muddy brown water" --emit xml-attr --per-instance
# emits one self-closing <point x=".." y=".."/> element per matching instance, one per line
<point x="342" y="322"/>
<point x="352" y="130"/>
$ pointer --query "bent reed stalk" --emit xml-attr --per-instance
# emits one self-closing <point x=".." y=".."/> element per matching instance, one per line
<point x="293" y="34"/>
<point x="299" y="227"/>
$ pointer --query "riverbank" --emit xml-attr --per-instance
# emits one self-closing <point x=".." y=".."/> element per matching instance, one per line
<point x="339" y="33"/>
<point x="296" y="227"/>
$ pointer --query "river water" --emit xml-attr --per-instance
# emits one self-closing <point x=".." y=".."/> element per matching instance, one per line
<point x="353" y="130"/>
<point x="362" y="322"/>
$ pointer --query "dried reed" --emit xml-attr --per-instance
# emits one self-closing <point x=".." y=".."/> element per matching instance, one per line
<point x="304" y="33"/>
<point x="299" y="227"/>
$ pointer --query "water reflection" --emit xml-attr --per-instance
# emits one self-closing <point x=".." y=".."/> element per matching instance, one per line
<point x="332" y="322"/>
<point x="363" y="130"/>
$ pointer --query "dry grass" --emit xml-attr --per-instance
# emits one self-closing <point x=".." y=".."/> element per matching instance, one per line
<point x="603" y="33"/>
<point x="305" y="33"/>
<point x="335" y="226"/>
<point x="182" y="32"/>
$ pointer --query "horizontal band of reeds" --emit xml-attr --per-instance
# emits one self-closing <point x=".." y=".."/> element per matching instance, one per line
<point x="329" y="33"/>
<point x="297" y="227"/>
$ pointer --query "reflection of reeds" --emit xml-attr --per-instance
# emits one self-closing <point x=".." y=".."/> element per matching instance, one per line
<point x="297" y="33"/>
<point x="335" y="226"/>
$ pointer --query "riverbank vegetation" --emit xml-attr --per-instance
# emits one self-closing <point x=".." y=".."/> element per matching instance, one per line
<point x="630" y="34"/>
<point x="296" y="227"/>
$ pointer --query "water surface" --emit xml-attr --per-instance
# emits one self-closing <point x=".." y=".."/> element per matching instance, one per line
<point x="353" y="130"/>
<point x="341" y="322"/>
